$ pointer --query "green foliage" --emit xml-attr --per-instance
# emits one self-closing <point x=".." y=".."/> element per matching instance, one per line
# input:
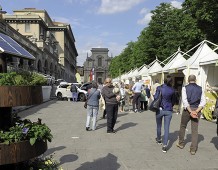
<point x="206" y="15"/>
<point x="7" y="78"/>
<point x="26" y="130"/>
<point x="169" y="29"/>
<point x="13" y="135"/>
<point x="22" y="78"/>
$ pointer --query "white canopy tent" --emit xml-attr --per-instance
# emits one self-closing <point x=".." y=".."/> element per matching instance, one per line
<point x="204" y="55"/>
<point x="144" y="71"/>
<point x="155" y="71"/>
<point x="135" y="74"/>
<point x="175" y="61"/>
<point x="131" y="73"/>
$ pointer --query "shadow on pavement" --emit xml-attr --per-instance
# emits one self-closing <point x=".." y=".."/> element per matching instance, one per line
<point x="68" y="158"/>
<point x="107" y="163"/>
<point x="215" y="142"/>
<point x="122" y="114"/>
<point x="52" y="150"/>
<point x="126" y="125"/>
<point x="189" y="138"/>
<point x="102" y="125"/>
<point x="24" y="112"/>
<point x="172" y="138"/>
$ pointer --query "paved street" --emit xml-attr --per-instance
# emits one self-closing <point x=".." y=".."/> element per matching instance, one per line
<point x="133" y="147"/>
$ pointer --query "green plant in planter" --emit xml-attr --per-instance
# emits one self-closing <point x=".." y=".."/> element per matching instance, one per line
<point x="47" y="163"/>
<point x="22" y="78"/>
<point x="26" y="130"/>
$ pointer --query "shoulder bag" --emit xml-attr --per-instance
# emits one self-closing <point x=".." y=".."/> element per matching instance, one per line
<point x="155" y="104"/>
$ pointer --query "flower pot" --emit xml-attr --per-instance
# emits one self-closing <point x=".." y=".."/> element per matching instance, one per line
<point x="20" y="95"/>
<point x="21" y="151"/>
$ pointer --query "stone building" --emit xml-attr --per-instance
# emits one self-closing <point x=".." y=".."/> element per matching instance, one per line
<point x="99" y="62"/>
<point x="58" y="56"/>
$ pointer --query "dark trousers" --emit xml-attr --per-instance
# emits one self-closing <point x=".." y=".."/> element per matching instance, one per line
<point x="104" y="113"/>
<point x="194" y="130"/>
<point x="136" y="101"/>
<point x="144" y="105"/>
<point x="111" y="110"/>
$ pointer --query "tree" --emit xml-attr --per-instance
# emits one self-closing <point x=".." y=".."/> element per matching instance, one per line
<point x="206" y="15"/>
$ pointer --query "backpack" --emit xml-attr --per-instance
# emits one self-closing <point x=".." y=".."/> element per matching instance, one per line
<point x="73" y="88"/>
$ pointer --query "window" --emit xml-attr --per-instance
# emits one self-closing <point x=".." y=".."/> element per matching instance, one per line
<point x="27" y="27"/>
<point x="99" y="62"/>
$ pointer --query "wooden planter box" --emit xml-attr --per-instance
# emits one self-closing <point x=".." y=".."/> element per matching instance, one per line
<point x="21" y="151"/>
<point x="20" y="95"/>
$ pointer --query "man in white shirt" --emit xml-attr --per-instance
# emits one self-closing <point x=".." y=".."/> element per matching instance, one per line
<point x="137" y="88"/>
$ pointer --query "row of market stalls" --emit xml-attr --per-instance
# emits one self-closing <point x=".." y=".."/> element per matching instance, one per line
<point x="203" y="63"/>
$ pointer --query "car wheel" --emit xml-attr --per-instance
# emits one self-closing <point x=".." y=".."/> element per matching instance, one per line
<point x="59" y="96"/>
<point x="82" y="97"/>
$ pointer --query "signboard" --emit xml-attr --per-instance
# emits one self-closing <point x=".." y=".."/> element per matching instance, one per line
<point x="173" y="71"/>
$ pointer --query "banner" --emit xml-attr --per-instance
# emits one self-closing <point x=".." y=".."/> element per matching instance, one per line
<point x="92" y="74"/>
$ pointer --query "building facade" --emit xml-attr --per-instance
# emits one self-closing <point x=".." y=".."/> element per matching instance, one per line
<point x="58" y="55"/>
<point x="97" y="65"/>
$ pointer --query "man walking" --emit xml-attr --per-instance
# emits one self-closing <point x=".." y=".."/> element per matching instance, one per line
<point x="193" y="99"/>
<point x="137" y="88"/>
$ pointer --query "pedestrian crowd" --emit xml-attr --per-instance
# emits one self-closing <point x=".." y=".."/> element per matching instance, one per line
<point x="112" y="98"/>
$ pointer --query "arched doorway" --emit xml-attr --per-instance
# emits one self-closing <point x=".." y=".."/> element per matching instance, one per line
<point x="39" y="66"/>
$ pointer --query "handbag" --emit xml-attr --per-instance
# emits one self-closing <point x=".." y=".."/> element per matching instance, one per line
<point x="85" y="104"/>
<point x="155" y="104"/>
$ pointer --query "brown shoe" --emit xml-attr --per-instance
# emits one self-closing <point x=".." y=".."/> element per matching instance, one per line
<point x="179" y="146"/>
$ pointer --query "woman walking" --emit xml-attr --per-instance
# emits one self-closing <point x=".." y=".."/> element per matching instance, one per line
<point x="92" y="106"/>
<point x="165" y="111"/>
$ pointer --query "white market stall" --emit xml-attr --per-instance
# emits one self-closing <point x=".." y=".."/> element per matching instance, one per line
<point x="174" y="61"/>
<point x="202" y="65"/>
<point x="155" y="72"/>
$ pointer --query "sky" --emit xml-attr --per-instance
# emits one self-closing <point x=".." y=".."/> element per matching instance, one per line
<point x="96" y="23"/>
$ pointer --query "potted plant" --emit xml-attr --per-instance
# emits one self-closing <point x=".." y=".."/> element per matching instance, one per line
<point x="24" y="135"/>
<point x="21" y="88"/>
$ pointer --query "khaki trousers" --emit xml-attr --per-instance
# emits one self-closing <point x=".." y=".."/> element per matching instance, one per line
<point x="194" y="129"/>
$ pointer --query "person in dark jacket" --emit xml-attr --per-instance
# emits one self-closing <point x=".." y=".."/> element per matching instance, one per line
<point x="73" y="90"/>
<point x="92" y="106"/>
<point x="193" y="99"/>
<point x="165" y="111"/>
<point x="111" y="100"/>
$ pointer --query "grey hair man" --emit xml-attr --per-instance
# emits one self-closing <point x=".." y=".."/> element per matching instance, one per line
<point x="193" y="99"/>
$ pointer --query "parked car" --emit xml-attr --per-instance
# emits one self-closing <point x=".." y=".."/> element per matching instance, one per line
<point x="63" y="92"/>
<point x="85" y="86"/>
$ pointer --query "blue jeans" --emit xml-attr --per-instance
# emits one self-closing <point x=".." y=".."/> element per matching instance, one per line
<point x="74" y="96"/>
<point x="92" y="112"/>
<point x="167" y="118"/>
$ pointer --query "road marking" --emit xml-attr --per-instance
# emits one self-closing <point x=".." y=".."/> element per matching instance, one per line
<point x="75" y="137"/>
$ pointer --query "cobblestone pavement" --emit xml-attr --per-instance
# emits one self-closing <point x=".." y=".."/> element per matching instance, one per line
<point x="133" y="147"/>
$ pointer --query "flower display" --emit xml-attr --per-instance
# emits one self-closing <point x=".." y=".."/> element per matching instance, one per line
<point x="26" y="130"/>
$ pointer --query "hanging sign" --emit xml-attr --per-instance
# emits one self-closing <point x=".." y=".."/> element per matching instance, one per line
<point x="173" y="71"/>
